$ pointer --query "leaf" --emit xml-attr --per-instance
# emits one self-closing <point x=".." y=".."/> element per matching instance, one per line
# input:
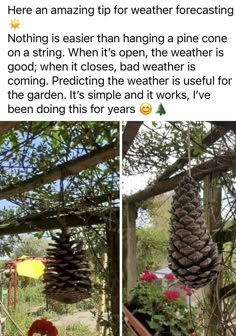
<point x="39" y="234"/>
<point x="156" y="326"/>
<point x="14" y="141"/>
<point x="197" y="142"/>
<point x="3" y="138"/>
<point x="55" y="139"/>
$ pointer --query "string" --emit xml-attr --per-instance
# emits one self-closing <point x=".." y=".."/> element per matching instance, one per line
<point x="189" y="150"/>
<point x="62" y="205"/>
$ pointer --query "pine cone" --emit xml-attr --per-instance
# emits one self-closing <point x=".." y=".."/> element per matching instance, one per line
<point x="67" y="274"/>
<point x="193" y="255"/>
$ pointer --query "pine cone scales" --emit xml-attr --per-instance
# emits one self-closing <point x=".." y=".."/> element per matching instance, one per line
<point x="67" y="274"/>
<point x="193" y="255"/>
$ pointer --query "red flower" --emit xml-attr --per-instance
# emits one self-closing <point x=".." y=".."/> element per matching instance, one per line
<point x="188" y="291"/>
<point x="171" y="294"/>
<point x="169" y="276"/>
<point x="43" y="327"/>
<point x="148" y="276"/>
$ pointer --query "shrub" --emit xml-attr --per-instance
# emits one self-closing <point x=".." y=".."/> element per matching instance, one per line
<point x="151" y="248"/>
<point x="76" y="329"/>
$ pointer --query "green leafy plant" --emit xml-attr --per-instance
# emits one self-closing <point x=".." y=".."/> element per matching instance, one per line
<point x="154" y="239"/>
<point x="163" y="310"/>
<point x="76" y="329"/>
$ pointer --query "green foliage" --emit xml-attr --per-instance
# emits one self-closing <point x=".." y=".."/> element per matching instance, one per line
<point x="159" y="210"/>
<point x="27" y="298"/>
<point x="41" y="146"/>
<point x="143" y="296"/>
<point x="84" y="305"/>
<point x="76" y="330"/>
<point x="156" y="148"/>
<point x="31" y="304"/>
<point x="22" y="319"/>
<point x="34" y="148"/>
<point x="60" y="308"/>
<point x="229" y="262"/>
<point x="161" y="314"/>
<point x="31" y="295"/>
<point x="30" y="246"/>
<point x="87" y="304"/>
<point x="197" y="136"/>
<point x="3" y="264"/>
<point x="151" y="248"/>
<point x="6" y="245"/>
<point x="7" y="242"/>
<point x="160" y="151"/>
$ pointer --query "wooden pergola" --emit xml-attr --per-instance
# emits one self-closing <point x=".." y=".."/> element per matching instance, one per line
<point x="209" y="172"/>
<point x="96" y="214"/>
<point x="49" y="220"/>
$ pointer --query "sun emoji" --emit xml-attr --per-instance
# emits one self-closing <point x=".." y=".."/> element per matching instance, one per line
<point x="15" y="24"/>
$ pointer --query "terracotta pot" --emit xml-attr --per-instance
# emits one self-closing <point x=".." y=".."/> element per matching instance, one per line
<point x="135" y="324"/>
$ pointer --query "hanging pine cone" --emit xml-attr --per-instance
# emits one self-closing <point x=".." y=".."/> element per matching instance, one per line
<point x="67" y="274"/>
<point x="193" y="255"/>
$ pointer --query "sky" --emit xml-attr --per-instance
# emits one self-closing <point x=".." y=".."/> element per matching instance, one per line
<point x="132" y="184"/>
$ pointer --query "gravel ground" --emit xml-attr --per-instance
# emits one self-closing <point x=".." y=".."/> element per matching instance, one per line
<point x="84" y="317"/>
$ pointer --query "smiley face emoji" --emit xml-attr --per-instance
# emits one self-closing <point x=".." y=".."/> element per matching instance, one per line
<point x="145" y="108"/>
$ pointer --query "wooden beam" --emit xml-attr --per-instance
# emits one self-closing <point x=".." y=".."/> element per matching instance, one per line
<point x="52" y="223"/>
<point x="124" y="251"/>
<point x="219" y="164"/>
<point x="72" y="167"/>
<point x="130" y="132"/>
<point x="212" y="205"/>
<point x="212" y="213"/>
<point x="113" y="268"/>
<point x="85" y="203"/>
<point x="7" y="125"/>
<point x="228" y="125"/>
<point x="131" y="246"/>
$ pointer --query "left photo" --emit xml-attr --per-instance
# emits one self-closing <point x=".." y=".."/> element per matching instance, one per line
<point x="59" y="228"/>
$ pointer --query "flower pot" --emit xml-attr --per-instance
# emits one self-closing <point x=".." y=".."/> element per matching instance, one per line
<point x="138" y="327"/>
<point x="135" y="324"/>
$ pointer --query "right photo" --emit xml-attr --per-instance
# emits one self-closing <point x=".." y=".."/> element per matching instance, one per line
<point x="179" y="228"/>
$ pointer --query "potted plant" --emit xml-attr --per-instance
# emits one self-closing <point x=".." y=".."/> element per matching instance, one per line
<point x="159" y="310"/>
